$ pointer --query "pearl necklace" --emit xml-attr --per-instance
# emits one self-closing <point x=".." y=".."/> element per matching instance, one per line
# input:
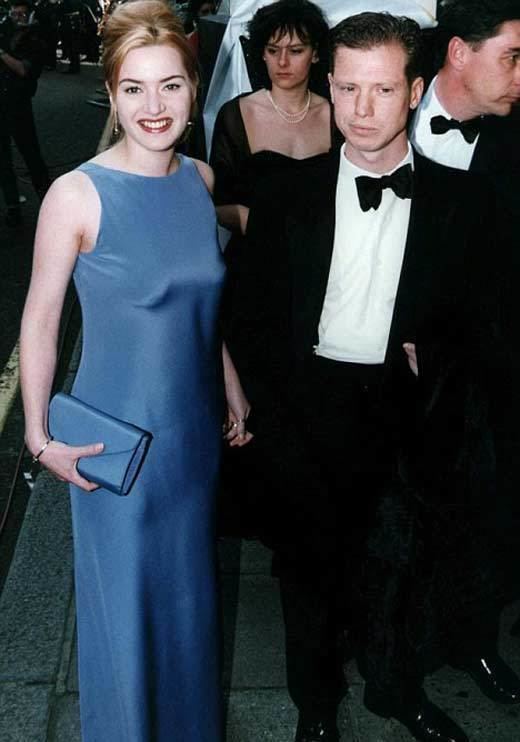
<point x="291" y="118"/>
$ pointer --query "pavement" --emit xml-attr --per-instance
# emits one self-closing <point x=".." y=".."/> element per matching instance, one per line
<point x="39" y="700"/>
<point x="69" y="130"/>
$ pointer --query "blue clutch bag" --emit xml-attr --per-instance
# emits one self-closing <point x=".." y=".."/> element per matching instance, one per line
<point x="73" y="422"/>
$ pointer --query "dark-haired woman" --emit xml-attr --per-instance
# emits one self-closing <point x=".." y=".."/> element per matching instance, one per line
<point x="284" y="122"/>
<point x="262" y="140"/>
<point x="264" y="144"/>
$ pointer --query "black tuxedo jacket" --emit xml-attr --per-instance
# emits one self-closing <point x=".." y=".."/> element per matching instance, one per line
<point x="443" y="305"/>
<point x="497" y="157"/>
<point x="498" y="147"/>
<point x="446" y="288"/>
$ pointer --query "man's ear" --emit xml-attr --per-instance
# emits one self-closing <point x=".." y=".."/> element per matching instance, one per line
<point x="331" y="87"/>
<point x="416" y="91"/>
<point x="457" y="52"/>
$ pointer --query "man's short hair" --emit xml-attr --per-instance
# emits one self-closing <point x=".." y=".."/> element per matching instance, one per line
<point x="475" y="21"/>
<point x="369" y="30"/>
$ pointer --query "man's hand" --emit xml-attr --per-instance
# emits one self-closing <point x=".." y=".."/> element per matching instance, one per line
<point x="409" y="349"/>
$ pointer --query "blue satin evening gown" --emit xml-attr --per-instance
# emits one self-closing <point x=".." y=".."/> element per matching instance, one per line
<point x="145" y="564"/>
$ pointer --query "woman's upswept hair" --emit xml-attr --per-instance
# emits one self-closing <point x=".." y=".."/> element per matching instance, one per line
<point x="139" y="23"/>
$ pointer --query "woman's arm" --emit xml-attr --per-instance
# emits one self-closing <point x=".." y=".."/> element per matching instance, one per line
<point x="238" y="406"/>
<point x="233" y="216"/>
<point x="60" y="235"/>
<point x="229" y="148"/>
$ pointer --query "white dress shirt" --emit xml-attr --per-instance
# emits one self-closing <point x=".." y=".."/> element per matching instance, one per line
<point x="447" y="149"/>
<point x="364" y="273"/>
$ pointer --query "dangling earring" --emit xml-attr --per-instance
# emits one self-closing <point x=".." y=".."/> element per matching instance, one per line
<point x="186" y="133"/>
<point x="116" y="124"/>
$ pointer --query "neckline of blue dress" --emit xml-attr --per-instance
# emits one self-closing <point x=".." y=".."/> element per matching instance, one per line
<point x="138" y="175"/>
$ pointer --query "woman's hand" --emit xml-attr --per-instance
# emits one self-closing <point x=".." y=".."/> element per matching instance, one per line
<point x="61" y="460"/>
<point x="235" y="427"/>
<point x="235" y="431"/>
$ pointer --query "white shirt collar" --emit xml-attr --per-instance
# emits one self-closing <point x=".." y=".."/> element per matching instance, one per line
<point x="348" y="169"/>
<point x="447" y="149"/>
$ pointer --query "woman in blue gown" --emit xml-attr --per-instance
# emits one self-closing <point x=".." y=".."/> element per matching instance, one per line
<point x="136" y="228"/>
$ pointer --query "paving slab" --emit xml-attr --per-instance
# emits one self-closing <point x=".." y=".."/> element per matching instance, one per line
<point x="454" y="692"/>
<point x="65" y="724"/>
<point x="24" y="712"/>
<point x="258" y="657"/>
<point x="35" y="599"/>
<point x="265" y="715"/>
<point x="255" y="558"/>
<point x="482" y="719"/>
<point x="37" y="636"/>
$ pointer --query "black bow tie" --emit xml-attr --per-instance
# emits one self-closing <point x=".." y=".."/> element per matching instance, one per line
<point x="469" y="129"/>
<point x="370" y="190"/>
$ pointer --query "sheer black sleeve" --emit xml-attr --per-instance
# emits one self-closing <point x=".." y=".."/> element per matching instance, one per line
<point x="229" y="155"/>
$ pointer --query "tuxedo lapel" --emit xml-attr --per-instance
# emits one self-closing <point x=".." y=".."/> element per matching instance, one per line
<point x="485" y="150"/>
<point x="311" y="239"/>
<point x="498" y="147"/>
<point x="422" y="228"/>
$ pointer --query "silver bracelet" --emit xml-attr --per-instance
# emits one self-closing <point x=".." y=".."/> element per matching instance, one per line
<point x="36" y="456"/>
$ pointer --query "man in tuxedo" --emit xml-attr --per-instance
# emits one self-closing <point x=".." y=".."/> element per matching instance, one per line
<point x="468" y="120"/>
<point x="464" y="119"/>
<point x="379" y="263"/>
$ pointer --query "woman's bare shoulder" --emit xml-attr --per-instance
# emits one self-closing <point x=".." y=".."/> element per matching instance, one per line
<point x="71" y="198"/>
<point x="255" y="100"/>
<point x="69" y="186"/>
<point x="69" y="191"/>
<point x="318" y="101"/>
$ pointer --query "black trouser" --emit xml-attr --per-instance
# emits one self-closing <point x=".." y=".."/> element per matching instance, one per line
<point x="17" y="123"/>
<point x="352" y="427"/>
<point x="71" y="35"/>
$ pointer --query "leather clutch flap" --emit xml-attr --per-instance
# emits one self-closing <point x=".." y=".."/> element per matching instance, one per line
<point x="73" y="422"/>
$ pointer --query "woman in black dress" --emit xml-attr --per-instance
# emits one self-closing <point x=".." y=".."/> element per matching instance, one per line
<point x="264" y="144"/>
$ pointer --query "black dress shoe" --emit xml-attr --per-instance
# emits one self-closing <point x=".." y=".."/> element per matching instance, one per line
<point x="316" y="729"/>
<point x="495" y="679"/>
<point x="425" y="721"/>
<point x="428" y="723"/>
